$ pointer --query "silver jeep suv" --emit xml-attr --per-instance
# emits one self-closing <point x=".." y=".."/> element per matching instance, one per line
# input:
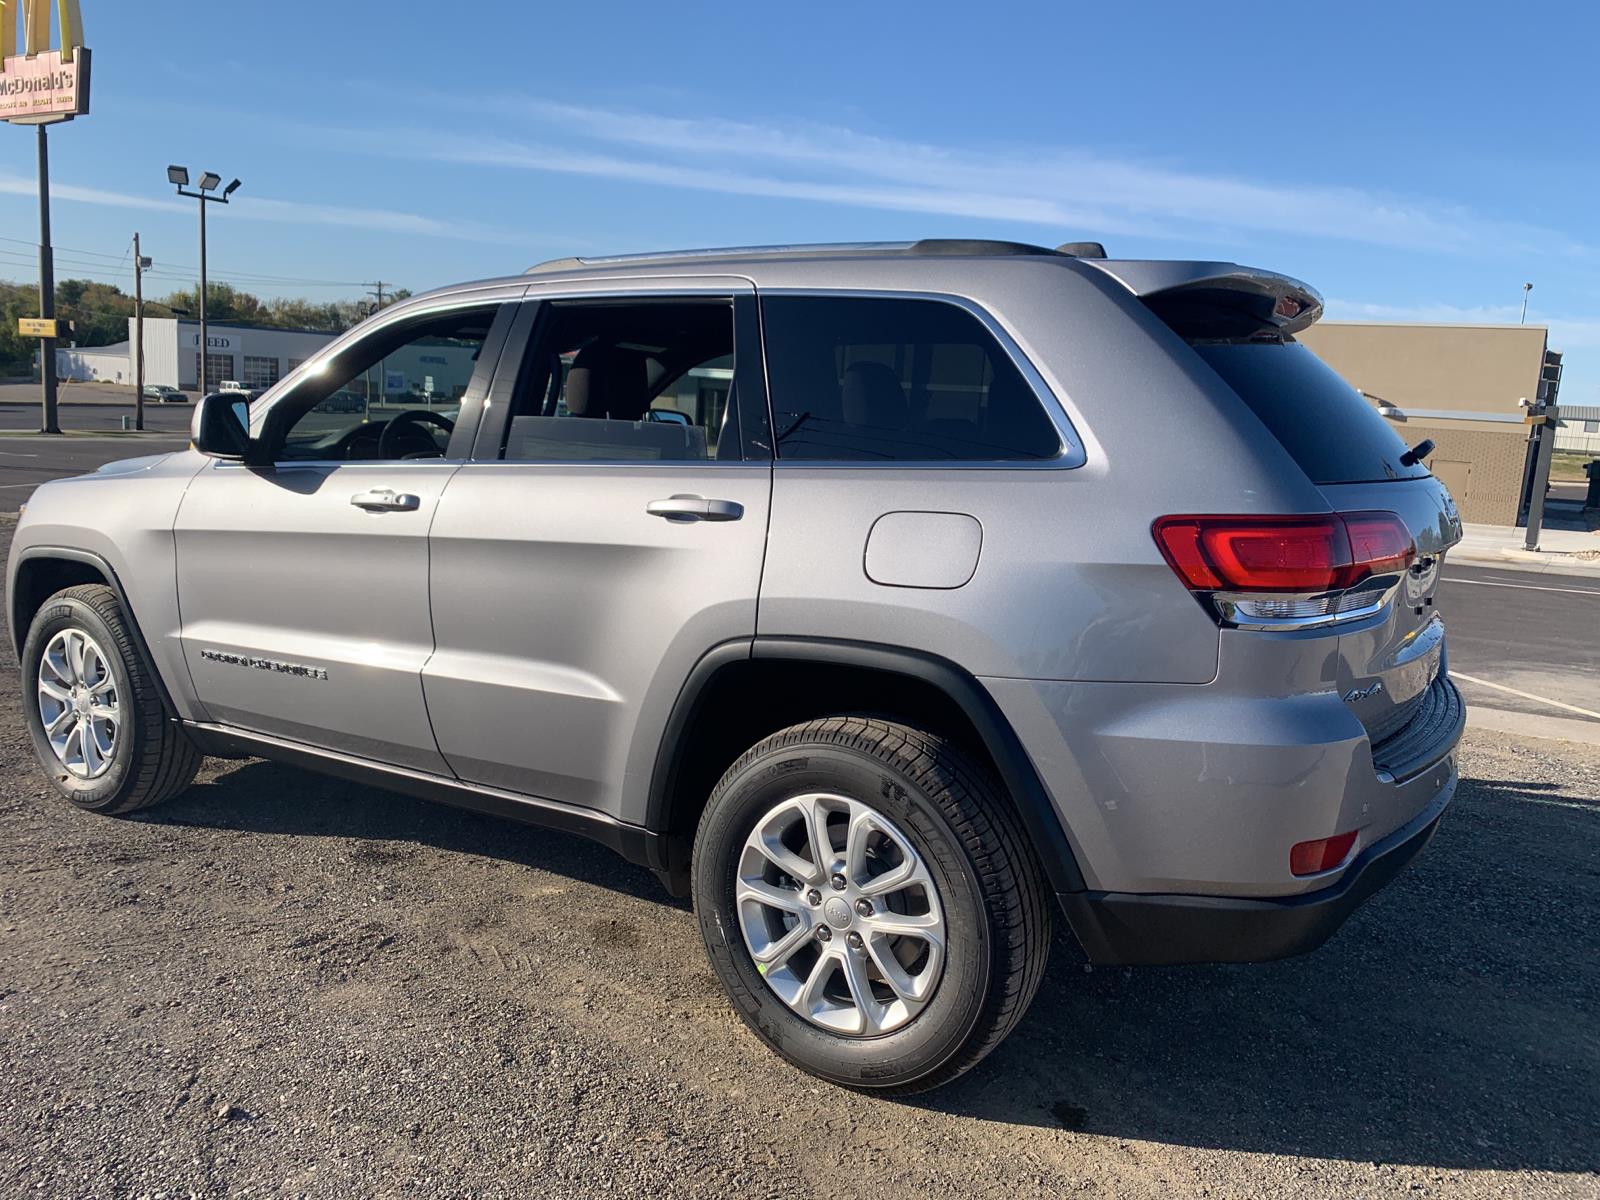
<point x="870" y="595"/>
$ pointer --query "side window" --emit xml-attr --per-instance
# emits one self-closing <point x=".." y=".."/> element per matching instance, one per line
<point x="394" y="394"/>
<point x="648" y="381"/>
<point x="892" y="380"/>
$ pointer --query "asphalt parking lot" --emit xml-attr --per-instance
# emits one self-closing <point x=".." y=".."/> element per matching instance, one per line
<point x="282" y="984"/>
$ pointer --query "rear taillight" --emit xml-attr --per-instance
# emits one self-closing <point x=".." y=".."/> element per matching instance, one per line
<point x="1307" y="563"/>
<point x="1324" y="854"/>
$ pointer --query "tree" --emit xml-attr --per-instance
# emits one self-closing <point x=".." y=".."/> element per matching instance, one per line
<point x="100" y="313"/>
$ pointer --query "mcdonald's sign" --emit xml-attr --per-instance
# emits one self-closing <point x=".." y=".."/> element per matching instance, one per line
<point x="41" y="85"/>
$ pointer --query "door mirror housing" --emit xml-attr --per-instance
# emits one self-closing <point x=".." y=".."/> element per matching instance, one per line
<point x="220" y="427"/>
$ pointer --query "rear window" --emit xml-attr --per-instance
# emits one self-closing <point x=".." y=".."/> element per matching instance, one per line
<point x="1324" y="423"/>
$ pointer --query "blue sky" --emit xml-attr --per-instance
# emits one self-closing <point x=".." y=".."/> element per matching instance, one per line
<point x="1412" y="161"/>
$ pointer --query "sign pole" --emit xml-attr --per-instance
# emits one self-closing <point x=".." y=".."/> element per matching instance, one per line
<point x="138" y="336"/>
<point x="49" y="421"/>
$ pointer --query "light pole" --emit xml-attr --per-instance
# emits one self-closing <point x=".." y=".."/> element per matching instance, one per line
<point x="179" y="176"/>
<point x="1526" y="288"/>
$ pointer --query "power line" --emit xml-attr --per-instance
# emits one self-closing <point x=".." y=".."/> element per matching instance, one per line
<point x="120" y="261"/>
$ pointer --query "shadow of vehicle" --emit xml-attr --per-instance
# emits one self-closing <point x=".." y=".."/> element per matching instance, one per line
<point x="1451" y="1023"/>
<point x="269" y="798"/>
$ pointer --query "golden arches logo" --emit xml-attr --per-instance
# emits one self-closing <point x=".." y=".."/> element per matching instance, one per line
<point x="35" y="26"/>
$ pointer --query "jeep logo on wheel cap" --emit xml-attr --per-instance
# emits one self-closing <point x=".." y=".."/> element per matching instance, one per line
<point x="838" y="912"/>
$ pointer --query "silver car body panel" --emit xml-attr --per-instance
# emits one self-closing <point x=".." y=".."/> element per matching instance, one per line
<point x="529" y="625"/>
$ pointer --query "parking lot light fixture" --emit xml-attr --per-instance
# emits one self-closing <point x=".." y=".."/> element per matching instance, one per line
<point x="207" y="185"/>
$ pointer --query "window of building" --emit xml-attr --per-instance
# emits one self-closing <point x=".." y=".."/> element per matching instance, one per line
<point x="259" y="372"/>
<point x="218" y="368"/>
<point x="896" y="381"/>
<point x="648" y="381"/>
<point x="1591" y="426"/>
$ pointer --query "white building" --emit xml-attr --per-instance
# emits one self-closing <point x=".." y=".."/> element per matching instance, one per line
<point x="255" y="355"/>
<point x="1580" y="429"/>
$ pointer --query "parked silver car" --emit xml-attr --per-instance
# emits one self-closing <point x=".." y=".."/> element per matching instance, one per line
<point x="870" y="595"/>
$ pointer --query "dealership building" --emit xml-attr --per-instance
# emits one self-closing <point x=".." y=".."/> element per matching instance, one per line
<point x="255" y="355"/>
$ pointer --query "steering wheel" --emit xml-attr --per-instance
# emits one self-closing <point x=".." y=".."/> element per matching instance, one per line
<point x="409" y="423"/>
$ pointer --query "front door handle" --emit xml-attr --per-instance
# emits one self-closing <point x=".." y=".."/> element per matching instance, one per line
<point x="695" y="508"/>
<point x="386" y="500"/>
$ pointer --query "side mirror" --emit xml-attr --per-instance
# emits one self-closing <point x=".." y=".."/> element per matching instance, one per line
<point x="220" y="427"/>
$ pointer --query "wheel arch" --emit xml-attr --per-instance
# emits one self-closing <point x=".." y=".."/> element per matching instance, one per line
<point x="42" y="571"/>
<point x="796" y="679"/>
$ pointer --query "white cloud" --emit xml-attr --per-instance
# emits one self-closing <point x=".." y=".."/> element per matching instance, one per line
<point x="1066" y="188"/>
<point x="260" y="208"/>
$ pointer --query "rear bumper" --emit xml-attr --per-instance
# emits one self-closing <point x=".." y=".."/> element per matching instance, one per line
<point x="1123" y="928"/>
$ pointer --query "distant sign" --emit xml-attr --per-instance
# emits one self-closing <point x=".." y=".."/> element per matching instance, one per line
<point x="44" y="87"/>
<point x="214" y="341"/>
<point x="40" y="327"/>
<point x="394" y="381"/>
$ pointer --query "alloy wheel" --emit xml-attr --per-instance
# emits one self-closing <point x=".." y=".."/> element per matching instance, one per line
<point x="840" y="914"/>
<point x="78" y="703"/>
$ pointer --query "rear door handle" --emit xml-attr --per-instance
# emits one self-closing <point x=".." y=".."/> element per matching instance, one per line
<point x="695" y="508"/>
<point x="386" y="500"/>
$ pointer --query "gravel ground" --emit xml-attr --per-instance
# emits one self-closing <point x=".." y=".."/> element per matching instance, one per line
<point x="281" y="984"/>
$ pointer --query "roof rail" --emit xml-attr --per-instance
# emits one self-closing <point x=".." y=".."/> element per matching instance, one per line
<point x="926" y="248"/>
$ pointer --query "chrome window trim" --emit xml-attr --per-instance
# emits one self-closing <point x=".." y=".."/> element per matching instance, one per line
<point x="1072" y="454"/>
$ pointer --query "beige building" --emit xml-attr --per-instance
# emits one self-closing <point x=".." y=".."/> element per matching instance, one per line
<point x="1468" y="387"/>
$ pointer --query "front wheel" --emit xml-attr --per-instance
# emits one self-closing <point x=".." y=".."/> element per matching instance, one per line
<point x="868" y="901"/>
<point x="100" y="726"/>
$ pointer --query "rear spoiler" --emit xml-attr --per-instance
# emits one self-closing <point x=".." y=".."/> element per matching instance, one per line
<point x="1215" y="300"/>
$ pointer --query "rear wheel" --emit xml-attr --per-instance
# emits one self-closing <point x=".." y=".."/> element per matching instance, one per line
<point x="869" y="903"/>
<point x="100" y="727"/>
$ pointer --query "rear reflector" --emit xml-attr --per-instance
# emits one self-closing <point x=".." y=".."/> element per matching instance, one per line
<point x="1324" y="552"/>
<point x="1324" y="854"/>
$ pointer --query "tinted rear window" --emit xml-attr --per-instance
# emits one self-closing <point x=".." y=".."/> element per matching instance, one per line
<point x="1325" y="424"/>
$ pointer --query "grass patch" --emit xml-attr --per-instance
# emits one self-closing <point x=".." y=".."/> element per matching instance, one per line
<point x="1567" y="465"/>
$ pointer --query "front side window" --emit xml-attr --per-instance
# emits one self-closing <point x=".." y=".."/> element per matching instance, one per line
<point x="891" y="380"/>
<point x="628" y="381"/>
<point x="394" y="394"/>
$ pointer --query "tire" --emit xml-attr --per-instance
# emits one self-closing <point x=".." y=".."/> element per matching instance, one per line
<point x="150" y="759"/>
<point x="987" y="889"/>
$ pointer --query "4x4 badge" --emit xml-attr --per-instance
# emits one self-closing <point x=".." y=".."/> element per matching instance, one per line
<point x="1366" y="693"/>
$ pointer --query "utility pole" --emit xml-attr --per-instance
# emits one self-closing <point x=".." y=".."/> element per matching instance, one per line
<point x="138" y="335"/>
<point x="49" y="420"/>
<point x="1526" y="288"/>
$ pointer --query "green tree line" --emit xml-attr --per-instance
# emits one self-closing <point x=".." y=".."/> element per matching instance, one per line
<point x="100" y="313"/>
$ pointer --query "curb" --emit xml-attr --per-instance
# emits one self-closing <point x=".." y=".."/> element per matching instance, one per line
<point x="1535" y="561"/>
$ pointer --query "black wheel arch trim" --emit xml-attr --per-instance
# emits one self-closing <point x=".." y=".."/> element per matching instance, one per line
<point x="19" y="633"/>
<point x="1017" y="772"/>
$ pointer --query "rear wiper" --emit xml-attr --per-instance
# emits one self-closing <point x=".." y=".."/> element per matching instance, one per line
<point x="1417" y="453"/>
